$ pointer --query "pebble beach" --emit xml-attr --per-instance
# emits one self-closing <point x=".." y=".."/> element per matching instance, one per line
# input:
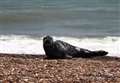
<point x="21" y="68"/>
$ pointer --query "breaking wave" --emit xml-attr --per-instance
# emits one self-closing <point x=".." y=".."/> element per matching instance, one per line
<point x="22" y="44"/>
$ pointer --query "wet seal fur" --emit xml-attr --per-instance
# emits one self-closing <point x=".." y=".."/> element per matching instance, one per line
<point x="61" y="50"/>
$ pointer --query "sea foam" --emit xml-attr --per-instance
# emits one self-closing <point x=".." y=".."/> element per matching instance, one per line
<point x="30" y="45"/>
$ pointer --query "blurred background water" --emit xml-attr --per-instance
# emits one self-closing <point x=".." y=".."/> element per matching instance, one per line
<point x="60" y="17"/>
<point x="91" y="24"/>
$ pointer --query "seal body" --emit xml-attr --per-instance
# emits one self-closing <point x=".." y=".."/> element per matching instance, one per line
<point x="61" y="49"/>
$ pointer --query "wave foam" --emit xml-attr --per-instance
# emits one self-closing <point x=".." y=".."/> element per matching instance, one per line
<point x="28" y="45"/>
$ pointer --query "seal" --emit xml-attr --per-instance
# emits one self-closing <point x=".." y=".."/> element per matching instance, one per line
<point x="59" y="50"/>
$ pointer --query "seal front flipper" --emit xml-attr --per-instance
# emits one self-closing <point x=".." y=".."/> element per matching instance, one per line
<point x="68" y="57"/>
<point x="61" y="50"/>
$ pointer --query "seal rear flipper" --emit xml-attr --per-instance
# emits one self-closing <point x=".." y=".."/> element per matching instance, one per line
<point x="98" y="53"/>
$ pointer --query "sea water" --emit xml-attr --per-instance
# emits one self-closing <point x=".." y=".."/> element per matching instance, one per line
<point x="90" y="24"/>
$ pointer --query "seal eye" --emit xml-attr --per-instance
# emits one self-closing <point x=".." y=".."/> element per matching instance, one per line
<point x="48" y="42"/>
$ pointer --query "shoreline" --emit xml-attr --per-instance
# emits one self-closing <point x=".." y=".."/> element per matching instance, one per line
<point x="26" y="68"/>
<point x="42" y="56"/>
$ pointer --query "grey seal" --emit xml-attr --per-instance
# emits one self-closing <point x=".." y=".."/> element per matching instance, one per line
<point x="60" y="50"/>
